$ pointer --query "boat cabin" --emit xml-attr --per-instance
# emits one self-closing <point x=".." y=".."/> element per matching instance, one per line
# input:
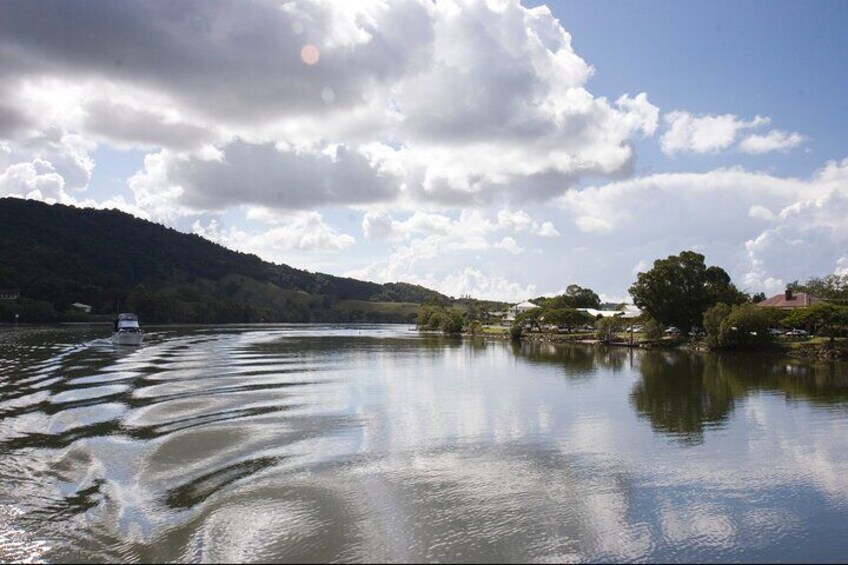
<point x="127" y="323"/>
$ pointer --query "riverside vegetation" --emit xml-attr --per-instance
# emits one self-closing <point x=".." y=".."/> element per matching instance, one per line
<point x="683" y="302"/>
<point x="56" y="255"/>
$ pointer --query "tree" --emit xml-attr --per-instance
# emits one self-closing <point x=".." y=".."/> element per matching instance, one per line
<point x="475" y="327"/>
<point x="566" y="317"/>
<point x="575" y="297"/>
<point x="744" y="326"/>
<point x="608" y="327"/>
<point x="831" y="287"/>
<point x="680" y="288"/>
<point x="827" y="317"/>
<point x="651" y="329"/>
<point x="713" y="318"/>
<point x="452" y="323"/>
<point x="531" y="317"/>
<point x="515" y="332"/>
<point x="582" y="297"/>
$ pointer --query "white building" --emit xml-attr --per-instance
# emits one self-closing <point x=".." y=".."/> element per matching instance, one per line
<point x="629" y="312"/>
<point x="518" y="309"/>
<point x="9" y="294"/>
<point x="80" y="306"/>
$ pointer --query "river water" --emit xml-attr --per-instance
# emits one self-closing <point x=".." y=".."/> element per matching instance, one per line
<point x="373" y="443"/>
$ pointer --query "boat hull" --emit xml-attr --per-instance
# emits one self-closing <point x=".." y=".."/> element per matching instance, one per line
<point x="127" y="338"/>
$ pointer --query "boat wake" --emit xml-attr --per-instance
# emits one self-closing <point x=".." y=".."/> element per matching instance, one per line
<point x="16" y="544"/>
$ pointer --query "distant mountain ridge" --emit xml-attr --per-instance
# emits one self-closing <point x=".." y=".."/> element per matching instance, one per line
<point x="61" y="254"/>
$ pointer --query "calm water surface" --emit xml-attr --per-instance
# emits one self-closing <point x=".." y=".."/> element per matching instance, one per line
<point x="363" y="443"/>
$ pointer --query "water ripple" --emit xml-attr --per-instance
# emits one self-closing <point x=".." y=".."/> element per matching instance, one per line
<point x="330" y="443"/>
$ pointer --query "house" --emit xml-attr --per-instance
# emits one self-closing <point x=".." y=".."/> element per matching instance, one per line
<point x="628" y="312"/>
<point x="80" y="306"/>
<point x="519" y="308"/>
<point x="789" y="301"/>
<point x="9" y="293"/>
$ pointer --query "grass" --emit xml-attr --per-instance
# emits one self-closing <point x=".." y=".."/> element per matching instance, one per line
<point x="815" y="340"/>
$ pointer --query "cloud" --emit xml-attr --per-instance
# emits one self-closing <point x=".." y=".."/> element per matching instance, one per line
<point x="11" y="121"/>
<point x="232" y="61"/>
<point x="123" y="125"/>
<point x="762" y="228"/>
<point x="510" y="245"/>
<point x="380" y="225"/>
<point x="547" y="229"/>
<point x="467" y="281"/>
<point x="37" y="179"/>
<point x="470" y="224"/>
<point x="306" y="231"/>
<point x="436" y="249"/>
<point x="642" y="114"/>
<point x="269" y="176"/>
<point x="775" y="140"/>
<point x="408" y="103"/>
<point x="687" y="133"/>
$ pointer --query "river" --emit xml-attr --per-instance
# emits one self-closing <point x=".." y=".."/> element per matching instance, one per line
<point x="373" y="443"/>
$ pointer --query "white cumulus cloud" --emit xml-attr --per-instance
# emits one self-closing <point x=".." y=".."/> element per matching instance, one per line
<point x="775" y="140"/>
<point x="305" y="231"/>
<point x="687" y="133"/>
<point x="408" y="103"/>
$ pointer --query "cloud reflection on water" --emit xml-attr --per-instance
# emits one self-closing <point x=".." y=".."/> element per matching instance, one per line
<point x="302" y="444"/>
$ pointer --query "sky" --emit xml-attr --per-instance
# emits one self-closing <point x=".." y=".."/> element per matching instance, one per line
<point x="498" y="149"/>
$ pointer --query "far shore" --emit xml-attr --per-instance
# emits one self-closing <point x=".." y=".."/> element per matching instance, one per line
<point x="814" y="348"/>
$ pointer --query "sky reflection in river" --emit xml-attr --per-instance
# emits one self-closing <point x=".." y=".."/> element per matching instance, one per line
<point x="323" y="443"/>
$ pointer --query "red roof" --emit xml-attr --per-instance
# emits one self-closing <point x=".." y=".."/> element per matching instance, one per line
<point x="799" y="300"/>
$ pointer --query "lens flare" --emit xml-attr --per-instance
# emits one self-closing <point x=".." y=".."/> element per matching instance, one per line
<point x="309" y="54"/>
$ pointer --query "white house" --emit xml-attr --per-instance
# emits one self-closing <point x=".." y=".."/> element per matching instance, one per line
<point x="9" y="294"/>
<point x="630" y="311"/>
<point x="518" y="309"/>
<point x="80" y="306"/>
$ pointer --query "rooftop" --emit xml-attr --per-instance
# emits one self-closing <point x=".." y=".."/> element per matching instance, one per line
<point x="790" y="300"/>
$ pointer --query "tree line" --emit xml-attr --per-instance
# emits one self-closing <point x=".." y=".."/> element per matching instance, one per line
<point x="57" y="255"/>
<point x="680" y="291"/>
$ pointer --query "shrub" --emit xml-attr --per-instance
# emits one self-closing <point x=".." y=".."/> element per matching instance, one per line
<point x="651" y="329"/>
<point x="515" y="332"/>
<point x="452" y="323"/>
<point x="745" y="327"/>
<point x="713" y="319"/>
<point x="607" y="327"/>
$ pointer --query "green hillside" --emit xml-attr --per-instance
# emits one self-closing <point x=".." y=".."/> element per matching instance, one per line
<point x="57" y="255"/>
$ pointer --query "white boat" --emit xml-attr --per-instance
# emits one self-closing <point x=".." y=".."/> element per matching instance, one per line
<point x="127" y="330"/>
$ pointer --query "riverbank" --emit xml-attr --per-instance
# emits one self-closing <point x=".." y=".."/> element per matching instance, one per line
<point x="812" y="349"/>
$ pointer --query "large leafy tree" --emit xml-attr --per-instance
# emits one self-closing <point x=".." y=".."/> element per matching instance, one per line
<point x="575" y="296"/>
<point x="566" y="317"/>
<point x="532" y="317"/>
<point x="828" y="317"/>
<point x="680" y="288"/>
<point x="830" y="287"/>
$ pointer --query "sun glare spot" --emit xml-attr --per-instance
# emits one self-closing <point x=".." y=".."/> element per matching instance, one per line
<point x="309" y="54"/>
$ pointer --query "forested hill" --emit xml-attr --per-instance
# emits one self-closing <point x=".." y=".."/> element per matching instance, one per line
<point x="60" y="255"/>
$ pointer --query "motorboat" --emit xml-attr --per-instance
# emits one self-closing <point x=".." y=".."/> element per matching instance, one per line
<point x="127" y="331"/>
